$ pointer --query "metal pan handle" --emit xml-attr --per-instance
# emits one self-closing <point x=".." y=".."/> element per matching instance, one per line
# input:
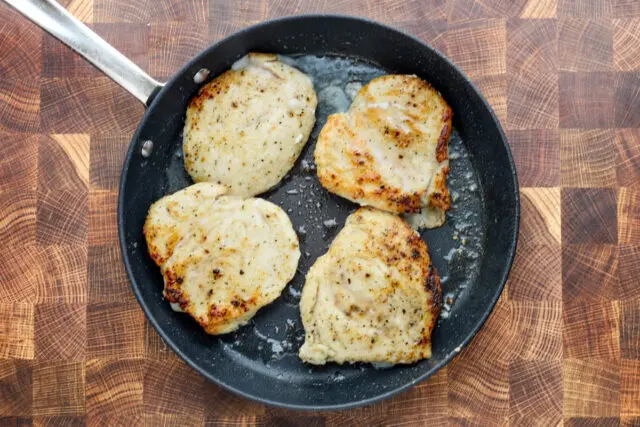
<point x="54" y="19"/>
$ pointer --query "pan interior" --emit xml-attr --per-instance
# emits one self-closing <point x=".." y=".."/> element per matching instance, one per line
<point x="260" y="360"/>
<point x="271" y="340"/>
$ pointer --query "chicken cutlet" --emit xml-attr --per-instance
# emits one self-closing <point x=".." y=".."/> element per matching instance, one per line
<point x="373" y="297"/>
<point x="222" y="257"/>
<point x="246" y="128"/>
<point x="390" y="149"/>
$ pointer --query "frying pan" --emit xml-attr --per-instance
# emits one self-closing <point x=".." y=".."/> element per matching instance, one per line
<point x="259" y="361"/>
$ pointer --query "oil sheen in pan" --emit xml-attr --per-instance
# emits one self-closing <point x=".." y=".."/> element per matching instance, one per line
<point x="276" y="332"/>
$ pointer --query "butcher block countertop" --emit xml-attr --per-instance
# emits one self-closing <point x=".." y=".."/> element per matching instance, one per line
<point x="563" y="343"/>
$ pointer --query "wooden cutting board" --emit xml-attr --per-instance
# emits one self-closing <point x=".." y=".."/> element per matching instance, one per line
<point x="563" y="344"/>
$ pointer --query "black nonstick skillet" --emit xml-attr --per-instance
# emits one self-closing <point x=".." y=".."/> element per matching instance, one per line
<point x="473" y="251"/>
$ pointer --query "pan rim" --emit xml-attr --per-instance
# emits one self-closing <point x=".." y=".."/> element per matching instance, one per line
<point x="510" y="255"/>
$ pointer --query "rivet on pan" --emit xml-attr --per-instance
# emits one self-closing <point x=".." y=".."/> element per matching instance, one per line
<point x="201" y="76"/>
<point x="147" y="148"/>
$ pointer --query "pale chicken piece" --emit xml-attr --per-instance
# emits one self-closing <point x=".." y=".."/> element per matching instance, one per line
<point x="373" y="297"/>
<point x="222" y="257"/>
<point x="390" y="149"/>
<point x="246" y="128"/>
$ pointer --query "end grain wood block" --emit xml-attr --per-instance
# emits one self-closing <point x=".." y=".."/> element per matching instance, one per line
<point x="60" y="332"/>
<point x="20" y="44"/>
<point x="245" y="13"/>
<point x="629" y="272"/>
<point x="58" y="388"/>
<point x="536" y="274"/>
<point x="222" y="403"/>
<point x="585" y="45"/>
<point x="592" y="422"/>
<point x="16" y="331"/>
<point x="592" y="330"/>
<point x="107" y="279"/>
<point x="20" y="275"/>
<point x="118" y="11"/>
<point x="626" y="9"/>
<point x="540" y="217"/>
<point x="626" y="44"/>
<point x="18" y="178"/>
<point x="495" y="342"/>
<point x="15" y="388"/>
<point x="590" y="272"/>
<point x="63" y="161"/>
<point x="114" y="388"/>
<point x="478" y="47"/>
<point x="531" y="46"/>
<point x="532" y="101"/>
<point x="478" y="389"/>
<point x="173" y="44"/>
<point x="81" y="9"/>
<point x="629" y="216"/>
<point x="173" y="388"/>
<point x="537" y="156"/>
<point x="585" y="8"/>
<point x="103" y="217"/>
<point x="535" y="392"/>
<point x="136" y="420"/>
<point x="630" y="388"/>
<point x="628" y="157"/>
<point x="494" y="89"/>
<point x="19" y="163"/>
<point x="630" y="329"/>
<point x="115" y="330"/>
<point x="537" y="327"/>
<point x="154" y="347"/>
<point x="87" y="105"/>
<point x="588" y="158"/>
<point x="429" y="397"/>
<point x="589" y="215"/>
<point x="591" y="388"/>
<point x="587" y="100"/>
<point x="61" y="217"/>
<point x="184" y="10"/>
<point x="19" y="105"/>
<point x="107" y="157"/>
<point x="539" y="9"/>
<point x="627" y="99"/>
<point x="64" y="274"/>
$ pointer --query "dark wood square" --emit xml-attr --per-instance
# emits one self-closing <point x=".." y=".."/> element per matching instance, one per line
<point x="587" y="100"/>
<point x="589" y="215"/>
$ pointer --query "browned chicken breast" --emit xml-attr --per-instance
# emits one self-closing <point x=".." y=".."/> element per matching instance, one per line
<point x="246" y="128"/>
<point x="222" y="257"/>
<point x="373" y="297"/>
<point x="390" y="150"/>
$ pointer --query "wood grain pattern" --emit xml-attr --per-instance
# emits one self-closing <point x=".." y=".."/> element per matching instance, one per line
<point x="537" y="327"/>
<point x="628" y="157"/>
<point x="585" y="45"/>
<point x="587" y="100"/>
<point x="629" y="216"/>
<point x="563" y="344"/>
<point x="61" y="331"/>
<point x="590" y="272"/>
<point x="535" y="392"/>
<point x="591" y="330"/>
<point x="591" y="388"/>
<point x="626" y="44"/>
<point x="589" y="215"/>
<point x="587" y="158"/>
<point x="537" y="156"/>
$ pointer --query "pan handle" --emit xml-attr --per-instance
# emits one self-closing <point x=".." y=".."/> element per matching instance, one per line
<point x="55" y="19"/>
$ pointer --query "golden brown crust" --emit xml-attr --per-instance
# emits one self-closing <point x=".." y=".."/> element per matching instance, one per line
<point x="390" y="149"/>
<point x="374" y="296"/>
